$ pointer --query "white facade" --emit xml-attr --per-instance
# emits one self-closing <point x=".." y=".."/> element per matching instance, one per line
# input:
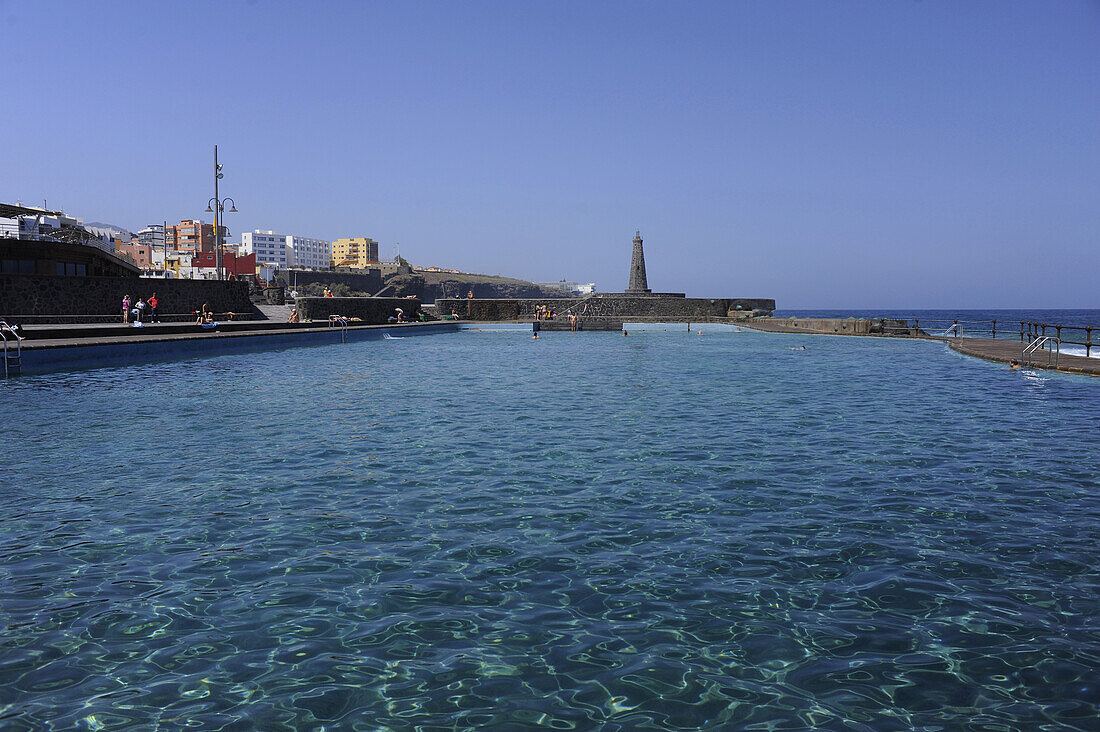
<point x="285" y="251"/>
<point x="309" y="253"/>
<point x="269" y="247"/>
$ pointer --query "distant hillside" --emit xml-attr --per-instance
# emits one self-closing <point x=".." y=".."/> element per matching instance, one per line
<point x="115" y="230"/>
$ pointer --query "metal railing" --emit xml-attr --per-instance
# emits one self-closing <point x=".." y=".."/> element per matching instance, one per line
<point x="340" y="322"/>
<point x="11" y="361"/>
<point x="1050" y="344"/>
<point x="1031" y="331"/>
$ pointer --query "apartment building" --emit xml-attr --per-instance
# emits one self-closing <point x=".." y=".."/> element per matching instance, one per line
<point x="359" y="252"/>
<point x="309" y="253"/>
<point x="191" y="234"/>
<point x="269" y="247"/>
<point x="287" y="250"/>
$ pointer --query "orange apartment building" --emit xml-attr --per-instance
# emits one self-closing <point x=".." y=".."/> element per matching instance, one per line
<point x="190" y="234"/>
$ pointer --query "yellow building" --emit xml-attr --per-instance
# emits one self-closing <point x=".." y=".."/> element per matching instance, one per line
<point x="360" y="252"/>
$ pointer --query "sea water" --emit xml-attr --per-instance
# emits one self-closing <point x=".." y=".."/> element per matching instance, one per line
<point x="584" y="531"/>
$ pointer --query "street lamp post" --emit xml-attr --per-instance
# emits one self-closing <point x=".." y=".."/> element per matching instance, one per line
<point x="217" y="206"/>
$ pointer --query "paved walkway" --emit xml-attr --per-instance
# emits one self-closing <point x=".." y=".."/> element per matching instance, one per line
<point x="59" y="336"/>
<point x="1005" y="350"/>
<point x="1001" y="349"/>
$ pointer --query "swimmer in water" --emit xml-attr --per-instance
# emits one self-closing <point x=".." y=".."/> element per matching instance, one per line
<point x="625" y="334"/>
<point x="535" y="336"/>
<point x="1014" y="364"/>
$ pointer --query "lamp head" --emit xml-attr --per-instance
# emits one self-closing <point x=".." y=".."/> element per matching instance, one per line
<point x="233" y="209"/>
<point x="208" y="209"/>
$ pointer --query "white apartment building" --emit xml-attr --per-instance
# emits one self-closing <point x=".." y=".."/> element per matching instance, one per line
<point x="284" y="251"/>
<point x="309" y="253"/>
<point x="269" y="247"/>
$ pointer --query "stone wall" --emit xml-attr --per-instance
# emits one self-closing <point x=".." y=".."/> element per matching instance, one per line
<point x="853" y="326"/>
<point x="369" y="281"/>
<point x="81" y="297"/>
<point x="614" y="306"/>
<point x="368" y="309"/>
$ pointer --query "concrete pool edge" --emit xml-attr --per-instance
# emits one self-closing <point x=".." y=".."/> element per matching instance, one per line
<point x="73" y="354"/>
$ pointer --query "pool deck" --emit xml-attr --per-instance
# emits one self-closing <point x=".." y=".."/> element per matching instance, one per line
<point x="38" y="337"/>
<point x="1007" y="350"/>
<point x="1002" y="350"/>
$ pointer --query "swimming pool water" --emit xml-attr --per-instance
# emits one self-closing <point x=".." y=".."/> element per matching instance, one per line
<point x="667" y="531"/>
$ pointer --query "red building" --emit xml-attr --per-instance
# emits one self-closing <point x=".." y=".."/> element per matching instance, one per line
<point x="242" y="266"/>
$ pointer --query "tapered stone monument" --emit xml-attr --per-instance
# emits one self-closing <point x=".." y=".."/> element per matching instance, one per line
<point x="638" y="284"/>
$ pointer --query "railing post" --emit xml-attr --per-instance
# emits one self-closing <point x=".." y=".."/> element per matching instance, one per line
<point x="1044" y="330"/>
<point x="994" y="330"/>
<point x="1059" y="332"/>
<point x="1088" y="340"/>
<point x="1021" y="331"/>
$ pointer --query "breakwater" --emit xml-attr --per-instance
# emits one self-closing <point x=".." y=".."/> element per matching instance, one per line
<point x="607" y="306"/>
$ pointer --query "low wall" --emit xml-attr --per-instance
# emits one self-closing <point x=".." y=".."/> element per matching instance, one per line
<point x="854" y="326"/>
<point x="368" y="309"/>
<point x="60" y="296"/>
<point x="615" y="306"/>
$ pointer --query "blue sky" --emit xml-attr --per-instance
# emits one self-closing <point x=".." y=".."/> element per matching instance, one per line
<point x="828" y="154"/>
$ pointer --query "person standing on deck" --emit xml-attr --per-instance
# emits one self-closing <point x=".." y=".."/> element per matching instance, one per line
<point x="126" y="309"/>
<point x="154" y="303"/>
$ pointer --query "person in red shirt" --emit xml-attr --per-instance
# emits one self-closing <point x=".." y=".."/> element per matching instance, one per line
<point x="153" y="303"/>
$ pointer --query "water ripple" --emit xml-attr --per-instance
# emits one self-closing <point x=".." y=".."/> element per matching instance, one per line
<point x="581" y="533"/>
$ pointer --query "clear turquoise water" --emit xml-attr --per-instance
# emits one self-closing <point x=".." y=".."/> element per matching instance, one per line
<point x="583" y="532"/>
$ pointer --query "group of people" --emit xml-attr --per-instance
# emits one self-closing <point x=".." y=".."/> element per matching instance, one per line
<point x="136" y="312"/>
<point x="544" y="312"/>
<point x="205" y="316"/>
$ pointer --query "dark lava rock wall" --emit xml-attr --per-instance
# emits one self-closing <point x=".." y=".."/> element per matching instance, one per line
<point x="615" y="306"/>
<point x="56" y="295"/>
<point x="371" y="310"/>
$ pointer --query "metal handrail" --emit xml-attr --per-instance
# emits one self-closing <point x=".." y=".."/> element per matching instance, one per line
<point x="342" y="322"/>
<point x="955" y="327"/>
<point x="4" y="330"/>
<point x="1040" y="344"/>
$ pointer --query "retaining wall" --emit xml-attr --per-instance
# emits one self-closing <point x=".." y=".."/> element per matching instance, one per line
<point x="368" y="309"/>
<point x="58" y="296"/>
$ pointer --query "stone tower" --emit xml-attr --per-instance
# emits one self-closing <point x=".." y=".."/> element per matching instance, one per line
<point x="638" y="284"/>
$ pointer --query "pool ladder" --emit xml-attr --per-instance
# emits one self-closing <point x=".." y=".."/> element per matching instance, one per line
<point x="1055" y="349"/>
<point x="342" y="322"/>
<point x="954" y="331"/>
<point x="13" y="360"/>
